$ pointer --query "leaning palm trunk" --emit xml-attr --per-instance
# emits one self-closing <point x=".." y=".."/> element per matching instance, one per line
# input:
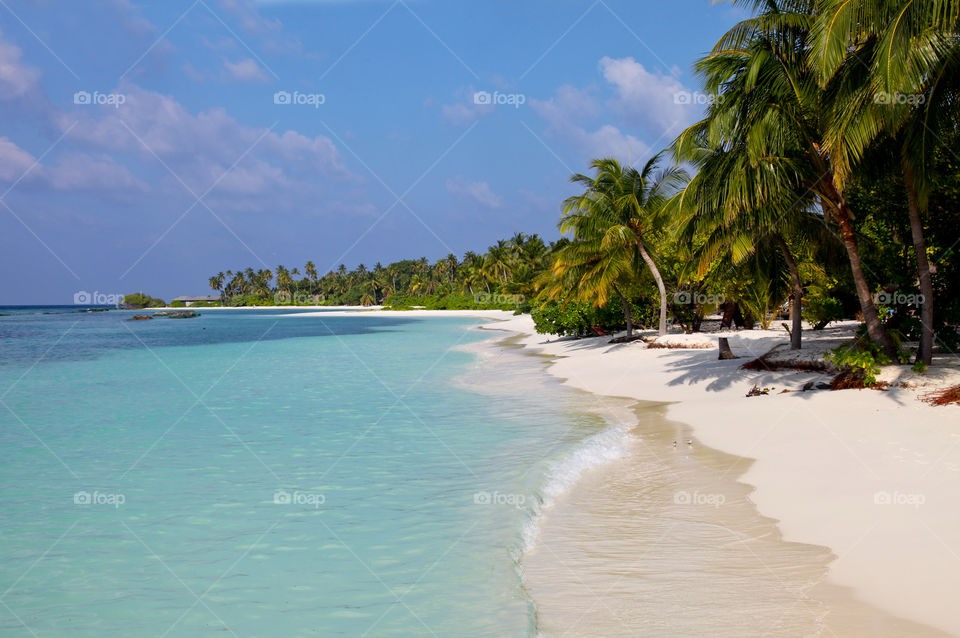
<point x="797" y="301"/>
<point x="662" y="330"/>
<point x="925" y="353"/>
<point x="867" y="306"/>
<point x="627" y="312"/>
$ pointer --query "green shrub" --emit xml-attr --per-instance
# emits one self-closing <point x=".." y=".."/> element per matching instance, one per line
<point x="864" y="358"/>
<point x="575" y="318"/>
<point x="479" y="301"/>
<point x="819" y="311"/>
<point x="948" y="339"/>
<point x="140" y="300"/>
<point x="241" y="301"/>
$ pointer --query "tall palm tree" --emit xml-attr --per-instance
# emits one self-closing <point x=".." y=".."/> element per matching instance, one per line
<point x="310" y="270"/>
<point x="737" y="207"/>
<point x="451" y="266"/>
<point x="767" y="99"/>
<point x="283" y="279"/>
<point x="599" y="263"/>
<point x="216" y="284"/>
<point x="626" y="207"/>
<point x="473" y="267"/>
<point x="910" y="92"/>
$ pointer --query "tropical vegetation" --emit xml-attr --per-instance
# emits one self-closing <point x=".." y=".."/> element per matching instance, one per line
<point x="820" y="183"/>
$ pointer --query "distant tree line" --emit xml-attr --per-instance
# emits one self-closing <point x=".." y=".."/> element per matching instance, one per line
<point x="505" y="276"/>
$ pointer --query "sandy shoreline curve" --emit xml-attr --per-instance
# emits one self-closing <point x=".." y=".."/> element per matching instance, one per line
<point x="874" y="476"/>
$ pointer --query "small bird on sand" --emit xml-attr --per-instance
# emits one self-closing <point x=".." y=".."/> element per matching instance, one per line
<point x="690" y="442"/>
<point x="674" y="444"/>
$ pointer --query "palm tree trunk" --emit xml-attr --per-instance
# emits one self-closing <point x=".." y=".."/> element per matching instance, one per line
<point x="867" y="307"/>
<point x="796" y="303"/>
<point x="627" y="312"/>
<point x="662" y="330"/>
<point x="925" y="353"/>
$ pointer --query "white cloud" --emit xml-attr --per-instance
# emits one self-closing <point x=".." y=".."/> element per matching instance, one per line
<point x="478" y="191"/>
<point x="249" y="17"/>
<point x="246" y="70"/>
<point x="131" y="19"/>
<point x="72" y="172"/>
<point x="200" y="147"/>
<point x="565" y="115"/>
<point x="14" y="161"/>
<point x="460" y="114"/>
<point x="82" y="172"/>
<point x="571" y="102"/>
<point x="646" y="98"/>
<point x="16" y="79"/>
<point x="249" y="169"/>
<point x="465" y="110"/>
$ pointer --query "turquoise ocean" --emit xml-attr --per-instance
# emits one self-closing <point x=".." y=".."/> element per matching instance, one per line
<point x="245" y="473"/>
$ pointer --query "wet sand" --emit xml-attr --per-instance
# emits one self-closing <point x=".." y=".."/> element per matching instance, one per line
<point x="665" y="540"/>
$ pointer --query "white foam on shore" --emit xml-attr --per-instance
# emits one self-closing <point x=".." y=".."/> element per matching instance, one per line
<point x="598" y="449"/>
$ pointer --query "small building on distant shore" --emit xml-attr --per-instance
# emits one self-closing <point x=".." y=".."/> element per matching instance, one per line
<point x="199" y="298"/>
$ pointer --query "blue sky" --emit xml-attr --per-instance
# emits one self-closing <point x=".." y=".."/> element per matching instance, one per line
<point x="146" y="146"/>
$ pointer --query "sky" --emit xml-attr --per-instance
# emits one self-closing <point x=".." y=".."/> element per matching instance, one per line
<point x="148" y="146"/>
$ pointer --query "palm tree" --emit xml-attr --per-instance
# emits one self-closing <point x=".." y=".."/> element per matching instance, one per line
<point x="600" y="262"/>
<point x="451" y="266"/>
<point x="499" y="261"/>
<point x="216" y="284"/>
<point x="283" y="279"/>
<point x="736" y="207"/>
<point x="310" y="270"/>
<point x="767" y="101"/>
<point x="534" y="251"/>
<point x="912" y="55"/>
<point x="626" y="205"/>
<point x="473" y="271"/>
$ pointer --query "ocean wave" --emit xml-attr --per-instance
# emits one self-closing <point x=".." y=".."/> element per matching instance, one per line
<point x="603" y="447"/>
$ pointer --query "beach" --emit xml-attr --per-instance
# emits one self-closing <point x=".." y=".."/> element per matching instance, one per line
<point x="869" y="476"/>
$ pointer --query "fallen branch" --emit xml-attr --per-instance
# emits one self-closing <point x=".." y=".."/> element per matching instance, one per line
<point x="946" y="396"/>
<point x="767" y="363"/>
<point x="676" y="346"/>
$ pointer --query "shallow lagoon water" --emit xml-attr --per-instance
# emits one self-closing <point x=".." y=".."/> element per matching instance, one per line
<point x="262" y="475"/>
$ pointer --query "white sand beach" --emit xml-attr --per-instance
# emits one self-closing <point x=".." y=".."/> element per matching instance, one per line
<point x="872" y="475"/>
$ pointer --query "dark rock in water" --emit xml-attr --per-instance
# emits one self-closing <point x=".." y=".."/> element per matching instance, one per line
<point x="139" y="318"/>
<point x="177" y="314"/>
